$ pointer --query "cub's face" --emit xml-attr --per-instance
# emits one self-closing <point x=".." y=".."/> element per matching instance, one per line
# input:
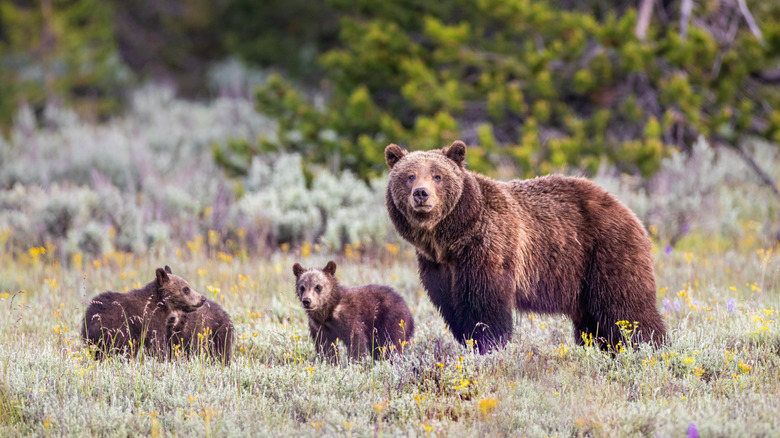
<point x="176" y="292"/>
<point x="425" y="186"/>
<point x="314" y="286"/>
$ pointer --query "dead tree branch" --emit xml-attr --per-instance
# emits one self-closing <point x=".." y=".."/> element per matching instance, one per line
<point x="685" y="17"/>
<point x="750" y="21"/>
<point x="643" y="21"/>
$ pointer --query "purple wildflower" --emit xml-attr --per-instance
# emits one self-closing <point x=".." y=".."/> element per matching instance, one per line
<point x="668" y="249"/>
<point x="692" y="432"/>
<point x="667" y="306"/>
<point x="732" y="305"/>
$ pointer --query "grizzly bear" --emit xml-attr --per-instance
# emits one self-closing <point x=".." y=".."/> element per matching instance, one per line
<point x="125" y="323"/>
<point x="551" y="244"/>
<point x="369" y="319"/>
<point x="208" y="330"/>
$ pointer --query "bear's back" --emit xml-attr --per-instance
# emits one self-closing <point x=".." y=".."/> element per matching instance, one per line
<point x="577" y="203"/>
<point x="113" y="309"/>
<point x="375" y="307"/>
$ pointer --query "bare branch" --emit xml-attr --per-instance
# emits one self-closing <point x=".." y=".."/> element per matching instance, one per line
<point x="750" y="21"/>
<point x="685" y="17"/>
<point x="768" y="76"/>
<point x="643" y="21"/>
<point x="765" y="178"/>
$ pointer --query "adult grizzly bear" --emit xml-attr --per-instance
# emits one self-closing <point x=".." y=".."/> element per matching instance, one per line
<point x="552" y="244"/>
<point x="125" y="322"/>
<point x="368" y="319"/>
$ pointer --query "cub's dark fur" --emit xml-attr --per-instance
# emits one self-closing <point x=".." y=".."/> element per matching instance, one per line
<point x="369" y="319"/>
<point x="207" y="330"/>
<point x="126" y="322"/>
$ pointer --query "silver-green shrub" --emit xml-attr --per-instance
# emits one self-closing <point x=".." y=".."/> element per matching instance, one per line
<point x="710" y="189"/>
<point x="336" y="209"/>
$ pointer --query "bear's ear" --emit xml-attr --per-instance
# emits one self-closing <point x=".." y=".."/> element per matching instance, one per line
<point x="393" y="154"/>
<point x="456" y="152"/>
<point x="168" y="269"/>
<point x="298" y="270"/>
<point x="162" y="276"/>
<point x="330" y="268"/>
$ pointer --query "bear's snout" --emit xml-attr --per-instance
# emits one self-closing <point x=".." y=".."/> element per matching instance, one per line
<point x="306" y="303"/>
<point x="420" y="195"/>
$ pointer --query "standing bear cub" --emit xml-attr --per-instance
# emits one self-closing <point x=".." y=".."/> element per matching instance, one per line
<point x="369" y="319"/>
<point x="126" y="322"/>
<point x="551" y="244"/>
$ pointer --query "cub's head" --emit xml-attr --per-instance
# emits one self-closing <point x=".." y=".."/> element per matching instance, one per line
<point x="176" y="292"/>
<point x="316" y="288"/>
<point x="426" y="186"/>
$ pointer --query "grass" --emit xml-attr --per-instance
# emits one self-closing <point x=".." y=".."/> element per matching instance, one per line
<point x="718" y="375"/>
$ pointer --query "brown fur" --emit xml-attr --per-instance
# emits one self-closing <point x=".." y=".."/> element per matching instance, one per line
<point x="366" y="318"/>
<point x="552" y="244"/>
<point x="125" y="322"/>
<point x="213" y="323"/>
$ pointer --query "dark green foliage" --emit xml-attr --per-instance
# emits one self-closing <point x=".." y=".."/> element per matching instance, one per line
<point x="170" y="39"/>
<point x="532" y="84"/>
<point x="287" y="34"/>
<point x="58" y="50"/>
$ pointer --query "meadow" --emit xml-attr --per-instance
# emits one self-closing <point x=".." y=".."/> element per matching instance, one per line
<point x="116" y="201"/>
<point x="718" y="374"/>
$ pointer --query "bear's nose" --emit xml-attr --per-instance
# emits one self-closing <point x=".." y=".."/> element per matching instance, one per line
<point x="202" y="300"/>
<point x="420" y="195"/>
<point x="306" y="303"/>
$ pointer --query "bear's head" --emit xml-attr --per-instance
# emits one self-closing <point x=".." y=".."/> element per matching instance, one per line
<point x="176" y="292"/>
<point x="317" y="288"/>
<point x="426" y="186"/>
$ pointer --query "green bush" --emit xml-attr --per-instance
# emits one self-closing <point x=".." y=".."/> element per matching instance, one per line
<point x="529" y="82"/>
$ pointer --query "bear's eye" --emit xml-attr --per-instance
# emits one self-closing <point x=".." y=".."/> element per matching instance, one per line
<point x="318" y="288"/>
<point x="437" y="178"/>
<point x="410" y="178"/>
<point x="303" y="289"/>
<point x="186" y="291"/>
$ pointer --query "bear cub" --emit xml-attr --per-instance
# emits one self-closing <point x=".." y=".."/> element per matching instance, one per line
<point x="123" y="323"/>
<point x="369" y="319"/>
<point x="210" y="320"/>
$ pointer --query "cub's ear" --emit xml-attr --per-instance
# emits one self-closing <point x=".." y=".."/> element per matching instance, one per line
<point x="162" y="276"/>
<point x="456" y="152"/>
<point x="330" y="268"/>
<point x="168" y="269"/>
<point x="393" y="154"/>
<point x="298" y="270"/>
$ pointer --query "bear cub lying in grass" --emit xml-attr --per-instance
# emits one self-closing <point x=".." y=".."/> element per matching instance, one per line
<point x="126" y="322"/>
<point x="369" y="319"/>
<point x="210" y="321"/>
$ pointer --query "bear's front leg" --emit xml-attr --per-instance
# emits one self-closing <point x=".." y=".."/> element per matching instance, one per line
<point x="482" y="303"/>
<point x="437" y="281"/>
<point x="325" y="344"/>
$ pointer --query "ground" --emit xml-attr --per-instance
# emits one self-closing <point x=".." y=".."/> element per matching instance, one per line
<point x="720" y="373"/>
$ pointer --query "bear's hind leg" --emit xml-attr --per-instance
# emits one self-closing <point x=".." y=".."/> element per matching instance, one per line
<point x="586" y="330"/>
<point x="620" y="294"/>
